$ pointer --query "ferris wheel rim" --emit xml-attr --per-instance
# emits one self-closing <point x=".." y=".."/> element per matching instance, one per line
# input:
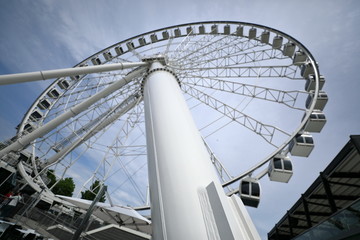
<point x="298" y="44"/>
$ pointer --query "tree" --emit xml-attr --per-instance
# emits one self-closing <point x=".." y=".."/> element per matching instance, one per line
<point x="93" y="191"/>
<point x="51" y="176"/>
<point x="64" y="187"/>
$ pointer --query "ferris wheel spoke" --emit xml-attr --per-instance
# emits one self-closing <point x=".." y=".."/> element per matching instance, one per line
<point x="266" y="131"/>
<point x="182" y="46"/>
<point x="131" y="124"/>
<point x="288" y="98"/>
<point x="229" y="58"/>
<point x="285" y="71"/>
<point x="220" y="168"/>
<point x="230" y="69"/>
<point x="94" y="127"/>
<point x="226" y="46"/>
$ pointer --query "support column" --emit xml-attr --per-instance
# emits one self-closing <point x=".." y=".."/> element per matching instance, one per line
<point x="328" y="192"/>
<point x="185" y="192"/>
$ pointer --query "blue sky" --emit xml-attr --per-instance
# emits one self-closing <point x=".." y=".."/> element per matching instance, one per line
<point x="40" y="35"/>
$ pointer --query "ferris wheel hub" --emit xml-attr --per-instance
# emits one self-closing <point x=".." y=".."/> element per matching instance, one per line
<point x="156" y="58"/>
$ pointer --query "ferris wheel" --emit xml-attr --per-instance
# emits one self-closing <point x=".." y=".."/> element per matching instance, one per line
<point x="255" y="94"/>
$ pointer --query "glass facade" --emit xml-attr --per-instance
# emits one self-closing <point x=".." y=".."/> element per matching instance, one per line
<point x="343" y="225"/>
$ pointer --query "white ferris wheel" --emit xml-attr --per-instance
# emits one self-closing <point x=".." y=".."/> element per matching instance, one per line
<point x="254" y="92"/>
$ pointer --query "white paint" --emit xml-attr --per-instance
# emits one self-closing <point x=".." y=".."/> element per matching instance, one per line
<point x="179" y="164"/>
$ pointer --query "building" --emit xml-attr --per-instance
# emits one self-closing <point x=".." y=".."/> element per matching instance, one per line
<point x="330" y="207"/>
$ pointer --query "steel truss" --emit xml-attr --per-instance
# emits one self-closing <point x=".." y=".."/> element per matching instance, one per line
<point x="109" y="134"/>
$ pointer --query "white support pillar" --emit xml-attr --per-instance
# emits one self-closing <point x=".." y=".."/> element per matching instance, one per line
<point x="187" y="201"/>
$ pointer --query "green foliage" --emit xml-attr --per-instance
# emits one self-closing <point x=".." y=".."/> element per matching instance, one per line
<point x="64" y="187"/>
<point x="91" y="194"/>
<point x="51" y="176"/>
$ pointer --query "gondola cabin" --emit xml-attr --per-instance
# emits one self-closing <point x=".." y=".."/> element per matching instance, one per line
<point x="301" y="145"/>
<point x="107" y="55"/>
<point x="177" y="32"/>
<point x="63" y="84"/>
<point x="277" y="42"/>
<point x="142" y="41"/>
<point x="130" y="46"/>
<point x="36" y="115"/>
<point x="280" y="169"/>
<point x="306" y="70"/>
<point x="53" y="93"/>
<point x="96" y="61"/>
<point x="227" y="29"/>
<point x="214" y="29"/>
<point x="316" y="122"/>
<point x="202" y="29"/>
<point x="289" y="49"/>
<point x="118" y="51"/>
<point x="240" y="31"/>
<point x="310" y="83"/>
<point x="249" y="191"/>
<point x="44" y="104"/>
<point x="299" y="58"/>
<point x="153" y="38"/>
<point x="252" y="33"/>
<point x="265" y="36"/>
<point x="165" y="34"/>
<point x="189" y="30"/>
<point x="321" y="102"/>
<point x="29" y="127"/>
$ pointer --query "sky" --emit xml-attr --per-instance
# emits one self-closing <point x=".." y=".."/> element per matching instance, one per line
<point x="45" y="34"/>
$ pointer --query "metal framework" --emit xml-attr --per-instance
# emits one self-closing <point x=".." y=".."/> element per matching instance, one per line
<point x="92" y="118"/>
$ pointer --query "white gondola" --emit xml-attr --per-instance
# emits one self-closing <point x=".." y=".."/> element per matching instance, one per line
<point x="299" y="58"/>
<point x="36" y="115"/>
<point x="306" y="70"/>
<point x="165" y="35"/>
<point x="301" y="145"/>
<point x="44" y="104"/>
<point x="310" y="83"/>
<point x="54" y="93"/>
<point x="316" y="122"/>
<point x="189" y="30"/>
<point x="280" y="169"/>
<point x="107" y="55"/>
<point x="142" y="41"/>
<point x="177" y="32"/>
<point x="119" y="50"/>
<point x="265" y="36"/>
<point x="249" y="191"/>
<point x="95" y="61"/>
<point x="153" y="38"/>
<point x="202" y="29"/>
<point x="227" y="29"/>
<point x="321" y="102"/>
<point x="130" y="46"/>
<point x="277" y="42"/>
<point x="29" y="127"/>
<point x="75" y="78"/>
<point x="214" y="29"/>
<point x="252" y="33"/>
<point x="63" y="84"/>
<point x="240" y="31"/>
<point x="289" y="49"/>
